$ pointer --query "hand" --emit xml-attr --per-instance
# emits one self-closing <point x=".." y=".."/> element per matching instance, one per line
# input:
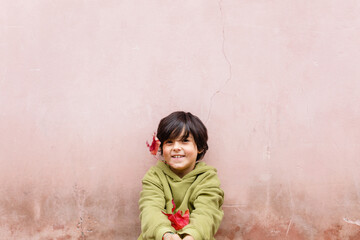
<point x="169" y="236"/>
<point x="188" y="237"/>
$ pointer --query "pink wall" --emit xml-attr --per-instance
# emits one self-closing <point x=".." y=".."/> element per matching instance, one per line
<point x="83" y="85"/>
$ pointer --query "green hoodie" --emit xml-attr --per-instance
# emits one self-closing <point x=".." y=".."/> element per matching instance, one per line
<point x="199" y="191"/>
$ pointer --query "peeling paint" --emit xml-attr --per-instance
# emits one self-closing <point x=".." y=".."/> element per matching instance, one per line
<point x="356" y="222"/>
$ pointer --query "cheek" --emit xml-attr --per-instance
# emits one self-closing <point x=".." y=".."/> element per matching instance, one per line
<point x="166" y="151"/>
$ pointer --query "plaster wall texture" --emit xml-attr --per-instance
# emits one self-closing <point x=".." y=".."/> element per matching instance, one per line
<point x="83" y="85"/>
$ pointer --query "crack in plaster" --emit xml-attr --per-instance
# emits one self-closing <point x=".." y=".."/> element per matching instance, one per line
<point x="226" y="59"/>
<point x="292" y="205"/>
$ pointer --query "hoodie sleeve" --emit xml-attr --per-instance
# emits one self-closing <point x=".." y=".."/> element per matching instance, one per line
<point x="206" y="217"/>
<point x="152" y="201"/>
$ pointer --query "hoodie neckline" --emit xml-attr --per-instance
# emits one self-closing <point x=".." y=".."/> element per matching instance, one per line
<point x="199" y="168"/>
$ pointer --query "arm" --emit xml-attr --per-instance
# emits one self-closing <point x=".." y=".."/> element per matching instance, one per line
<point x="206" y="217"/>
<point x="152" y="201"/>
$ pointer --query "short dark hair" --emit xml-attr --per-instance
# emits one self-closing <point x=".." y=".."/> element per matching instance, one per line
<point x="172" y="126"/>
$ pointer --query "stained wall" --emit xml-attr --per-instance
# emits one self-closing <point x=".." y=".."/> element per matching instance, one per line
<point x="83" y="85"/>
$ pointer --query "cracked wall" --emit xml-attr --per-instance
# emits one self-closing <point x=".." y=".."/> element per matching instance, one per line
<point x="83" y="85"/>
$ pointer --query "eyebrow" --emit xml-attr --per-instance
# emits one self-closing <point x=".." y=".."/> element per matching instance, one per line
<point x="183" y="137"/>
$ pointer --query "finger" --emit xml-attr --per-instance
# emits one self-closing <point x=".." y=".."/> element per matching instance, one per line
<point x="175" y="237"/>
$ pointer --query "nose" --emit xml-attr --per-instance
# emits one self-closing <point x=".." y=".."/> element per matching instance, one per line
<point x="177" y="146"/>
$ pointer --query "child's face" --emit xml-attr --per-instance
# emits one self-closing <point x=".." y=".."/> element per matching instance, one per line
<point x="180" y="155"/>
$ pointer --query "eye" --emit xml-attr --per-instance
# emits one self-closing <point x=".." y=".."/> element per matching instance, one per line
<point x="169" y="142"/>
<point x="186" y="140"/>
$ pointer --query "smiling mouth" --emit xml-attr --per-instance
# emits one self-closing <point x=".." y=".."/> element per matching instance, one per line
<point x="177" y="156"/>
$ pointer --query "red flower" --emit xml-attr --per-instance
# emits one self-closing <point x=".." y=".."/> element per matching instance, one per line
<point x="154" y="147"/>
<point x="178" y="221"/>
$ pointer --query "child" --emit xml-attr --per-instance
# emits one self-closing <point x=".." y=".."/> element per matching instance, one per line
<point x="180" y="177"/>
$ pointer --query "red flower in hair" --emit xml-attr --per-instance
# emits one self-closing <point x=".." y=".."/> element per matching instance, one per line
<point x="178" y="221"/>
<point x="154" y="147"/>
